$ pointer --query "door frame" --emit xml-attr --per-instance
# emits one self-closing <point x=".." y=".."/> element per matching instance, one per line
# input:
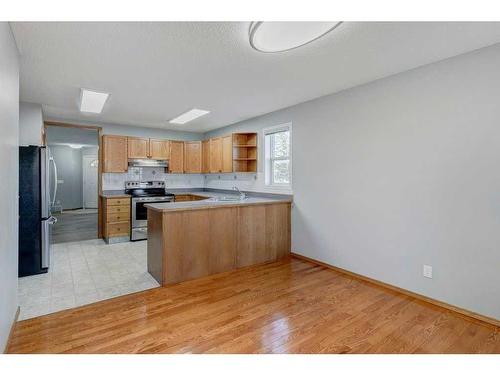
<point x="99" y="168"/>
<point x="84" y="177"/>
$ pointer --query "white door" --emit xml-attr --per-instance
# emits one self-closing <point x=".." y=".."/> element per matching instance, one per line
<point x="90" y="164"/>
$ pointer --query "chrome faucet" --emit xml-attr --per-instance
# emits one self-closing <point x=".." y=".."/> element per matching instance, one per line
<point x="242" y="195"/>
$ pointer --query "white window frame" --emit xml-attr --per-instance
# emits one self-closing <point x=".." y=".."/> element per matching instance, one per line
<point x="268" y="166"/>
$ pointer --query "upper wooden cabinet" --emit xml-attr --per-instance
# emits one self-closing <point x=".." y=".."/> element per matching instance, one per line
<point x="159" y="149"/>
<point x="192" y="157"/>
<point x="138" y="148"/>
<point x="114" y="153"/>
<point x="216" y="155"/>
<point x="205" y="156"/>
<point x="235" y="152"/>
<point x="176" y="163"/>
<point x="145" y="148"/>
<point x="227" y="154"/>
<point x="244" y="152"/>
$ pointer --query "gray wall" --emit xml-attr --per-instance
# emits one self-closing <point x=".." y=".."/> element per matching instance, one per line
<point x="136" y="131"/>
<point x="30" y="124"/>
<point x="69" y="170"/>
<point x="404" y="172"/>
<point x="64" y="135"/>
<point x="9" y="169"/>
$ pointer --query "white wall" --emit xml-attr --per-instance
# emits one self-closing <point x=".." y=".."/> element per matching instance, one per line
<point x="30" y="124"/>
<point x="402" y="172"/>
<point x="9" y="167"/>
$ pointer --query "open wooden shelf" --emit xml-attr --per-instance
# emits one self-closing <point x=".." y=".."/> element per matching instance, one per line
<point x="245" y="152"/>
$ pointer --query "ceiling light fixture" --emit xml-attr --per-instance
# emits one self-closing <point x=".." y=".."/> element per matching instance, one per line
<point x="189" y="116"/>
<point x="285" y="36"/>
<point x="75" y="146"/>
<point x="92" y="101"/>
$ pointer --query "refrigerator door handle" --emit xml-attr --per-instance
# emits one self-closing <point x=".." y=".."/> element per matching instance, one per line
<point x="45" y="243"/>
<point x="44" y="182"/>
<point x="46" y="240"/>
<point x="55" y="180"/>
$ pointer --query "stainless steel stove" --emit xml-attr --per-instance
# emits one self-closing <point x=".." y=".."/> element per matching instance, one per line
<point x="142" y="193"/>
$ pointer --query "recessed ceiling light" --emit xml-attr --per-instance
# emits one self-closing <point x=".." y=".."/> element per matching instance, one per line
<point x="92" y="101"/>
<point x="189" y="116"/>
<point x="284" y="36"/>
<point x="75" y="146"/>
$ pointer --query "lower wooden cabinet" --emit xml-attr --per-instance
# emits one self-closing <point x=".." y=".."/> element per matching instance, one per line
<point x="116" y="219"/>
<point x="207" y="241"/>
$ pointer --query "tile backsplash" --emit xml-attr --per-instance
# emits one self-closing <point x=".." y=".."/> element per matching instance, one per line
<point x="116" y="181"/>
<point x="244" y="181"/>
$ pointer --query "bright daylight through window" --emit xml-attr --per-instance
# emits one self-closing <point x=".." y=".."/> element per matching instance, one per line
<point x="278" y="155"/>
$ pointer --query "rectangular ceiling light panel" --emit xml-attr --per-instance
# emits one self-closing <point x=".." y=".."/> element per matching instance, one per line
<point x="189" y="116"/>
<point x="92" y="101"/>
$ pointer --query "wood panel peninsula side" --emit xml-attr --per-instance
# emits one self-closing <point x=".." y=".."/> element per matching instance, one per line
<point x="190" y="240"/>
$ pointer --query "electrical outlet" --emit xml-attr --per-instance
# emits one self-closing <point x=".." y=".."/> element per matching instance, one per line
<point x="427" y="271"/>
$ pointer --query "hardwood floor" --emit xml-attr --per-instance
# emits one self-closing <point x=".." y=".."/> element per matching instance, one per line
<point x="291" y="306"/>
<point x="72" y="227"/>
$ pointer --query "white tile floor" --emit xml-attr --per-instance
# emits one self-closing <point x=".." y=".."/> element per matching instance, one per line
<point x="85" y="272"/>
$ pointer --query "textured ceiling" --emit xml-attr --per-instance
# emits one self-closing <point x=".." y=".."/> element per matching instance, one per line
<point x="156" y="71"/>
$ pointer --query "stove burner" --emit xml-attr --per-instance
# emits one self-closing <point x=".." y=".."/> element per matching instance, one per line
<point x="146" y="189"/>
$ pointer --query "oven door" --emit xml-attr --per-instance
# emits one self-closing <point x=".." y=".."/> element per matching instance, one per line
<point x="139" y="213"/>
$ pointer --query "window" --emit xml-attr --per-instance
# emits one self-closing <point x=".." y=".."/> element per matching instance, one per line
<point x="278" y="155"/>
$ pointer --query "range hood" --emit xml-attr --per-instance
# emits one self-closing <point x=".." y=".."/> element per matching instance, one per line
<point x="148" y="163"/>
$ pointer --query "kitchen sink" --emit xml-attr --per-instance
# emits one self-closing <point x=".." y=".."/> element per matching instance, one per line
<point x="230" y="198"/>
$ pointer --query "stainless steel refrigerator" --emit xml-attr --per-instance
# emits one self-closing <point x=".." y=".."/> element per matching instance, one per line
<point x="35" y="219"/>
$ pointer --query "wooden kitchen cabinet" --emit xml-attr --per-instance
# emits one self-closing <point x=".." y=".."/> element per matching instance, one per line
<point x="176" y="163"/>
<point x="159" y="149"/>
<point x="116" y="219"/>
<point x="205" y="156"/>
<point x="193" y="243"/>
<point x="114" y="153"/>
<point x="216" y="155"/>
<point x="138" y="148"/>
<point x="245" y="152"/>
<point x="192" y="157"/>
<point x="227" y="153"/>
<point x="145" y="148"/>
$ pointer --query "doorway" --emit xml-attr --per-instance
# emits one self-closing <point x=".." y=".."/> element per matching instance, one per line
<point x="90" y="178"/>
<point x="74" y="182"/>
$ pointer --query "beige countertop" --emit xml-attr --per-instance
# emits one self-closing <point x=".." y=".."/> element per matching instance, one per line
<point x="212" y="202"/>
<point x="114" y="194"/>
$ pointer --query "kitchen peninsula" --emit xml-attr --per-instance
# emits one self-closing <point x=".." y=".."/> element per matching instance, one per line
<point x="192" y="239"/>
